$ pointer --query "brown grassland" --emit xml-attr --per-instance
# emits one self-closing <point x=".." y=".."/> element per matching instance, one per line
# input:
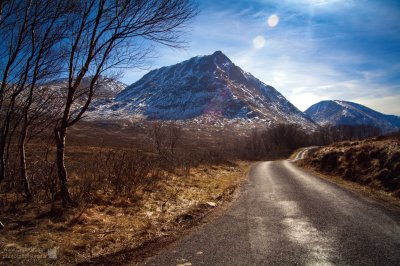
<point x="370" y="166"/>
<point x="141" y="185"/>
<point x="129" y="198"/>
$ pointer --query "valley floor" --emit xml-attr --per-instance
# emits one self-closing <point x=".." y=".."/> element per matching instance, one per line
<point x="135" y="197"/>
<point x="116" y="226"/>
<point x="288" y="216"/>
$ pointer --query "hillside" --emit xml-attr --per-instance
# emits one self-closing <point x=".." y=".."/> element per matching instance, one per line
<point x="336" y="113"/>
<point x="106" y="89"/>
<point x="209" y="86"/>
<point x="373" y="162"/>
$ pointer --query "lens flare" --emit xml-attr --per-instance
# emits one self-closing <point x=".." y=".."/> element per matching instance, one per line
<point x="273" y="21"/>
<point x="259" y="42"/>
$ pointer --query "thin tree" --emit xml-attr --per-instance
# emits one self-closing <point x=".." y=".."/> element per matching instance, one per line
<point x="30" y="30"/>
<point x="110" y="34"/>
<point x="175" y="134"/>
<point x="14" y="53"/>
<point x="45" y="38"/>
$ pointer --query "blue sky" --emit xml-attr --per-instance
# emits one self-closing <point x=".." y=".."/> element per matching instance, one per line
<point x="309" y="50"/>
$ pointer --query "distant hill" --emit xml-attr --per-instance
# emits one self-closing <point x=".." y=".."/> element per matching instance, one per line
<point x="106" y="88"/>
<point x="204" y="86"/>
<point x="337" y="113"/>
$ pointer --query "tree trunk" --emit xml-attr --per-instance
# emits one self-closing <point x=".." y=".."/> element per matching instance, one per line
<point x="22" y="162"/>
<point x="61" y="170"/>
<point x="2" y="158"/>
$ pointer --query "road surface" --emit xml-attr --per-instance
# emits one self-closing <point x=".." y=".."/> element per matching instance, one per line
<point x="287" y="216"/>
<point x="302" y="152"/>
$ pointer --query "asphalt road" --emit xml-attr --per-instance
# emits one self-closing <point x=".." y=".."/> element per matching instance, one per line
<point x="302" y="152"/>
<point x="287" y="216"/>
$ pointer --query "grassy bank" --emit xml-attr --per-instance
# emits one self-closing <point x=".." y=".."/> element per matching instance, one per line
<point x="372" y="163"/>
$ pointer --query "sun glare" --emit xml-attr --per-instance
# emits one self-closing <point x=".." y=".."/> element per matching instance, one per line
<point x="273" y="21"/>
<point x="259" y="42"/>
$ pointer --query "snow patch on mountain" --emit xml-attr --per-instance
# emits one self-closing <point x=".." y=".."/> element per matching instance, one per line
<point x="207" y="87"/>
<point x="348" y="113"/>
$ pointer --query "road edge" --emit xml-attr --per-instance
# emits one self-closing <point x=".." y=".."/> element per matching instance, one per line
<point x="379" y="196"/>
<point x="152" y="247"/>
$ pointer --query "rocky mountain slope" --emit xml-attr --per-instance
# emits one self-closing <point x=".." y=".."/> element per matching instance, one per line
<point x="348" y="113"/>
<point x="106" y="88"/>
<point x="209" y="86"/>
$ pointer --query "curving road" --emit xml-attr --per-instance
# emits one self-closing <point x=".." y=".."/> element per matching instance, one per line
<point x="287" y="216"/>
<point x="302" y="152"/>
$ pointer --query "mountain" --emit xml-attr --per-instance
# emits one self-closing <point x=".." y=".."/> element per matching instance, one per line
<point x="349" y="113"/>
<point x="210" y="86"/>
<point x="106" y="89"/>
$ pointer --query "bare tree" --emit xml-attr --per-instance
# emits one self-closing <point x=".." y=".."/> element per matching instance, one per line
<point x="109" y="34"/>
<point x="166" y="137"/>
<point x="158" y="135"/>
<point x="32" y="32"/>
<point x="14" y="50"/>
<point x="175" y="134"/>
<point x="44" y="39"/>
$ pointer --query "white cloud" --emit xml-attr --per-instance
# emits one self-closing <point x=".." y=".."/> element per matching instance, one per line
<point x="303" y="66"/>
<point x="386" y="104"/>
<point x="306" y="83"/>
<point x="305" y="100"/>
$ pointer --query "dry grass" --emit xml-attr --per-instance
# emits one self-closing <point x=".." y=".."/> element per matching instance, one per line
<point x="377" y="194"/>
<point x="371" y="166"/>
<point x="116" y="223"/>
<point x="173" y="192"/>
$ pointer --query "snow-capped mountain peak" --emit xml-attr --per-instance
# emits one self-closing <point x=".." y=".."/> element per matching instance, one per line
<point x="338" y="112"/>
<point x="204" y="86"/>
